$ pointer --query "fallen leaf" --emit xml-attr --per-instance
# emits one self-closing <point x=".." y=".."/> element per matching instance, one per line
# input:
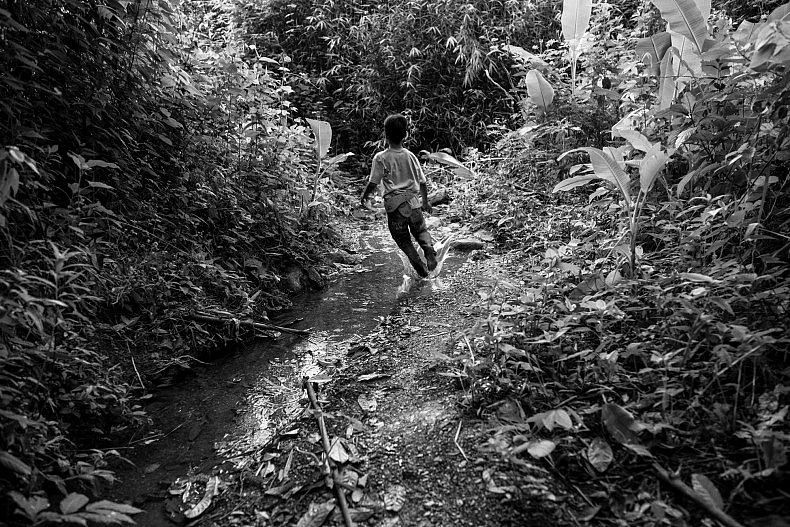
<point x="373" y="376"/>
<point x="316" y="514"/>
<point x="707" y="491"/>
<point x="394" y="498"/>
<point x="599" y="454"/>
<point x="203" y="504"/>
<point x="337" y="452"/>
<point x="321" y="379"/>
<point x="153" y="467"/>
<point x="368" y="404"/>
<point x="541" y="448"/>
<point x="621" y="424"/>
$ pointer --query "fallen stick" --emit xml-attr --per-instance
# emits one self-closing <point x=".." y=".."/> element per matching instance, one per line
<point x="341" y="496"/>
<point x="200" y="317"/>
<point x="675" y="482"/>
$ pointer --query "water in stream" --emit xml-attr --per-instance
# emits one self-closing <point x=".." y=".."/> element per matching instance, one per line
<point x="234" y="405"/>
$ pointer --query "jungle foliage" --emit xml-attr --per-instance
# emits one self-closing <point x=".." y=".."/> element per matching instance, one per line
<point x="442" y="62"/>
<point x="649" y="326"/>
<point x="150" y="167"/>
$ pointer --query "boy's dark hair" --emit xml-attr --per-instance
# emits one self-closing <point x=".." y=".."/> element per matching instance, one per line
<point x="395" y="128"/>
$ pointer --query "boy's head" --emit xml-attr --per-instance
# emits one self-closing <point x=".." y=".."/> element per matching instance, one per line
<point x="395" y="128"/>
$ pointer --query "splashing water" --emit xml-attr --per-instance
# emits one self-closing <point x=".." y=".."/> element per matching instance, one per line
<point x="410" y="276"/>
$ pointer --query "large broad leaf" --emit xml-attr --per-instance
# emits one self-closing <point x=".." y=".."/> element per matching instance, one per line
<point x="446" y="159"/>
<point x="652" y="164"/>
<point x="781" y="13"/>
<point x="540" y="91"/>
<point x="607" y="168"/>
<point x="690" y="64"/>
<point x="685" y="17"/>
<point x="573" y="182"/>
<point x="650" y="50"/>
<point x="575" y="18"/>
<point x="322" y="131"/>
<point x="666" y="83"/>
<point x="530" y="59"/>
<point x="637" y="140"/>
<point x="338" y="158"/>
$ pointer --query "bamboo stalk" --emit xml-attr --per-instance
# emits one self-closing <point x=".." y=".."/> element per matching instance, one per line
<point x="341" y="496"/>
<point x="203" y="317"/>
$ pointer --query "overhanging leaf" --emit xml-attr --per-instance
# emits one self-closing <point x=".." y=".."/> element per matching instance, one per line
<point x="540" y="91"/>
<point x="684" y="17"/>
<point x="322" y="131"/>
<point x="446" y="159"/>
<point x="652" y="164"/>
<point x="637" y="140"/>
<point x="573" y="182"/>
<point x="575" y="18"/>
<point x="650" y="50"/>
<point x="607" y="168"/>
<point x="337" y="159"/>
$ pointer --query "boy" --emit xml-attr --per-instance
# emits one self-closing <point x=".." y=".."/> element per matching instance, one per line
<point x="401" y="175"/>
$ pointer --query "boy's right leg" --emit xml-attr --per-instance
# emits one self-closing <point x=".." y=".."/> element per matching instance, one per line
<point x="420" y="232"/>
<point x="399" y="229"/>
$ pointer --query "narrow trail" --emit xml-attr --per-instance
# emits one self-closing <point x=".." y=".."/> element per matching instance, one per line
<point x="242" y="418"/>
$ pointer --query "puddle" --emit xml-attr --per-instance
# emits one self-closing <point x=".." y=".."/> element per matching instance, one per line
<point x="235" y="405"/>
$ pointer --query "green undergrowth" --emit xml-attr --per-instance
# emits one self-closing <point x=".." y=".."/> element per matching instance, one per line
<point x="645" y="328"/>
<point x="150" y="170"/>
<point x="696" y="355"/>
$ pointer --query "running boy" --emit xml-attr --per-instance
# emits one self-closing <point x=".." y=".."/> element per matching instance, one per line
<point x="401" y="175"/>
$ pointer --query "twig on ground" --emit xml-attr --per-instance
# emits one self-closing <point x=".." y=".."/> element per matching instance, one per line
<point x="135" y="366"/>
<point x="207" y="317"/>
<point x="674" y="482"/>
<point x="469" y="345"/>
<point x="341" y="496"/>
<point x="457" y="445"/>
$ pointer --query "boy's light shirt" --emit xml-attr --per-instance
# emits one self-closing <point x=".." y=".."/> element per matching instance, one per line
<point x="399" y="173"/>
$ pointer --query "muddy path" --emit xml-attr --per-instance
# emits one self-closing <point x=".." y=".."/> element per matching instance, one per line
<point x="229" y="409"/>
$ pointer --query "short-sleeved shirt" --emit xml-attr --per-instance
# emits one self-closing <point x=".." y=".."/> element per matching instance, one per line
<point x="400" y="175"/>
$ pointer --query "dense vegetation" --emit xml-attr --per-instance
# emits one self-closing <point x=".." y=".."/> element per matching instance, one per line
<point x="154" y="164"/>
<point x="150" y="168"/>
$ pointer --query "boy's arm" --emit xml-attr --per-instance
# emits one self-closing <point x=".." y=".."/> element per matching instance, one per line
<point x="366" y="193"/>
<point x="426" y="205"/>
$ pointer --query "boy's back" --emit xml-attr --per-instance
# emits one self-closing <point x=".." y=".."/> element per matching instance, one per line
<point x="400" y="174"/>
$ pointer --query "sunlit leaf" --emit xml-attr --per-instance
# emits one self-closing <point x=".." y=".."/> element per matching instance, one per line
<point x="573" y="182"/>
<point x="322" y="131"/>
<point x="652" y="164"/>
<point x="650" y="50"/>
<point x="684" y="17"/>
<point x="541" y="448"/>
<point x="539" y="90"/>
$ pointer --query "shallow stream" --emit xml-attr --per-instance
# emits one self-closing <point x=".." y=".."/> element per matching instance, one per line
<point x="235" y="405"/>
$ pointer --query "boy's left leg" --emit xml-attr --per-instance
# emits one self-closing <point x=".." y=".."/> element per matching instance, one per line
<point x="420" y="232"/>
